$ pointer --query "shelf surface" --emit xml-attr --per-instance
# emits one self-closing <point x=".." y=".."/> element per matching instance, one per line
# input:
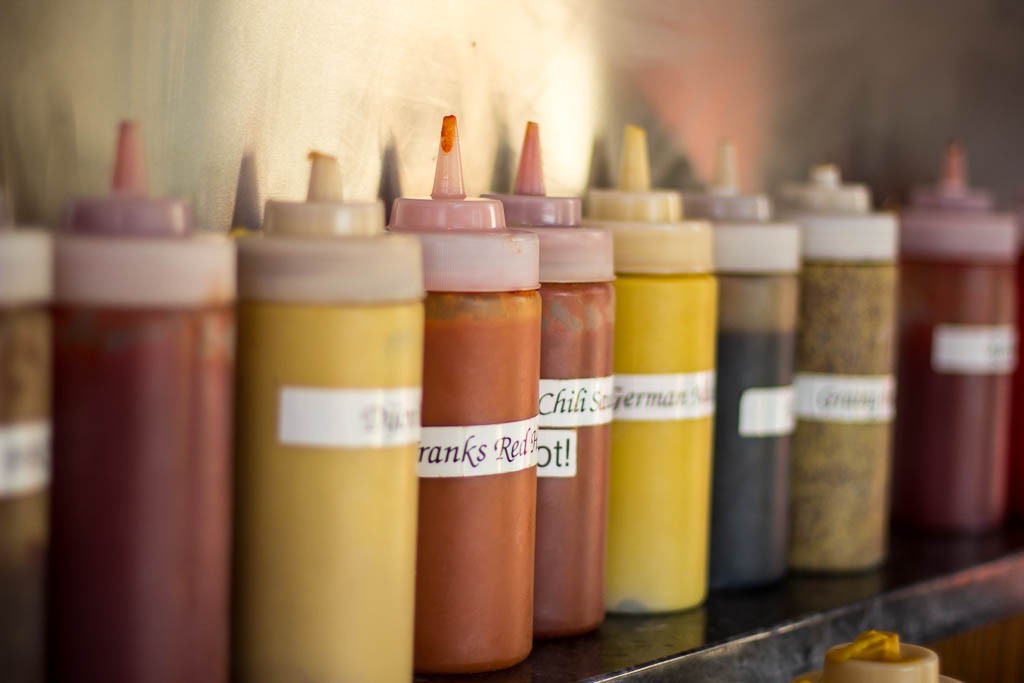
<point x="930" y="589"/>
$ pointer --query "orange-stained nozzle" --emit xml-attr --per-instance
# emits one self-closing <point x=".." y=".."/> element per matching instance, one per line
<point x="530" y="176"/>
<point x="448" y="172"/>
<point x="129" y="163"/>
<point x="954" y="166"/>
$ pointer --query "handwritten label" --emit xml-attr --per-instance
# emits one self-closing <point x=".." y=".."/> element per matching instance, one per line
<point x="478" y="450"/>
<point x="348" y="418"/>
<point x="974" y="349"/>
<point x="845" y="398"/>
<point x="766" y="411"/>
<point x="24" y="458"/>
<point x="681" y="396"/>
<point x="576" y="402"/>
<point x="556" y="453"/>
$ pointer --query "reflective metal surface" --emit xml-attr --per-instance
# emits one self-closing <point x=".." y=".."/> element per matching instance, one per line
<point x="233" y="93"/>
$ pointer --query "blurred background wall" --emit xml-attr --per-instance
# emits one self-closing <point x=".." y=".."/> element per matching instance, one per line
<point x="232" y="94"/>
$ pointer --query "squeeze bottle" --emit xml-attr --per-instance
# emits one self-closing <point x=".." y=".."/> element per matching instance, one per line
<point x="26" y="288"/>
<point x="756" y="261"/>
<point x="329" y="368"/>
<point x="878" y="657"/>
<point x="958" y="350"/>
<point x="144" y="352"/>
<point x="477" y="458"/>
<point x="575" y="404"/>
<point x="664" y="400"/>
<point x="839" y="473"/>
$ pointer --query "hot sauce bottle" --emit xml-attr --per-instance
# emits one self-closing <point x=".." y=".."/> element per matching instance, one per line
<point x="479" y="444"/>
<point x="958" y="350"/>
<point x="143" y="361"/>
<point x="666" y="303"/>
<point x="575" y="405"/>
<point x="329" y="365"/>
<point x="757" y="261"/>
<point x="26" y="288"/>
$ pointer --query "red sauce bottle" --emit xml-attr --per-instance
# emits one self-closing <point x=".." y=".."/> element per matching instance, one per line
<point x="576" y="398"/>
<point x="958" y="339"/>
<point x="478" y="448"/>
<point x="1017" y="408"/>
<point x="143" y="331"/>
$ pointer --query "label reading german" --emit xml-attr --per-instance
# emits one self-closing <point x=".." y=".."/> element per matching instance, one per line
<point x="974" y="349"/>
<point x="766" y="411"/>
<point x="657" y="398"/>
<point x="579" y="402"/>
<point x="322" y="417"/>
<point x="24" y="458"/>
<point x="478" y="450"/>
<point x="556" y="453"/>
<point x="844" y="398"/>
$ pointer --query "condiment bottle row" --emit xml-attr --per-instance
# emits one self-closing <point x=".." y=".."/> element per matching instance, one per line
<point x="488" y="422"/>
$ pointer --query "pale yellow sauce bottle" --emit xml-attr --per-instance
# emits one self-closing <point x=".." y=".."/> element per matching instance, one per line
<point x="329" y="371"/>
<point x="666" y="313"/>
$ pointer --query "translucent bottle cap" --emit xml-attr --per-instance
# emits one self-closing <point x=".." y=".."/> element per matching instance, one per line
<point x="825" y="192"/>
<point x="568" y="253"/>
<point x="953" y="235"/>
<point x="952" y="191"/>
<point x="723" y="200"/>
<point x="867" y="660"/>
<point x="26" y="270"/>
<point x="466" y="244"/>
<point x="131" y="250"/>
<point x="756" y="248"/>
<point x="647" y="229"/>
<point x="326" y="250"/>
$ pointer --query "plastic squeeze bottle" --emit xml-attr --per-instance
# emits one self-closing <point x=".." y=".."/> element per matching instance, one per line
<point x="575" y="404"/>
<point x="1017" y="402"/>
<point x="329" y="368"/>
<point x="478" y="448"/>
<point x="143" y="332"/>
<point x="878" y="657"/>
<point x="757" y="261"/>
<point x="958" y="350"/>
<point x="839" y="474"/>
<point x="665" y="311"/>
<point x="26" y="288"/>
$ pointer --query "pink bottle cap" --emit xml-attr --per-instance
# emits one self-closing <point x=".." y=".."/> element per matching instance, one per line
<point x="466" y="245"/>
<point x="568" y="253"/>
<point x="952" y="222"/>
<point x="131" y="250"/>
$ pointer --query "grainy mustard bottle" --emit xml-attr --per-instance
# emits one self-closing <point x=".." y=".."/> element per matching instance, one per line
<point x="839" y="476"/>
<point x="330" y="356"/>
<point x="664" y="363"/>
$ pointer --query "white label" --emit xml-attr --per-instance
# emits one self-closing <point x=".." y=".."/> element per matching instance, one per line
<point x="478" y="450"/>
<point x="766" y="411"/>
<point x="348" y="418"/>
<point x="556" y="453"/>
<point x="24" y="458"/>
<point x="844" y="398"/>
<point x="576" y="402"/>
<point x="682" y="396"/>
<point x="974" y="349"/>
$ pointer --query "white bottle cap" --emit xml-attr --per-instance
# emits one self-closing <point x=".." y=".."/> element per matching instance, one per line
<point x="26" y="267"/>
<point x="723" y="201"/>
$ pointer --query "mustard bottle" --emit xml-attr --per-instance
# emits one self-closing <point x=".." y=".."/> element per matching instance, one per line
<point x="878" y="657"/>
<point x="330" y="355"/>
<point x="664" y="363"/>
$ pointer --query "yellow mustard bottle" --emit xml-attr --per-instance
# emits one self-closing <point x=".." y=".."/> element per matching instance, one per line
<point x="330" y="355"/>
<point x="666" y="312"/>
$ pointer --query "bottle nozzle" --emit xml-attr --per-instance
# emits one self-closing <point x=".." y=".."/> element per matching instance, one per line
<point x="726" y="181"/>
<point x="530" y="176"/>
<point x="324" y="178"/>
<point x="635" y="169"/>
<point x="954" y="167"/>
<point x="129" y="162"/>
<point x="448" y="172"/>
<point x="825" y="175"/>
<point x="876" y="646"/>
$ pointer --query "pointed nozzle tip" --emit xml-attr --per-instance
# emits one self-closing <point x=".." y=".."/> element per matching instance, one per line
<point x="726" y="173"/>
<point x="825" y="175"/>
<point x="448" y="172"/>
<point x="635" y="169"/>
<point x="324" y="178"/>
<point x="129" y="161"/>
<point x="954" y="166"/>
<point x="530" y="176"/>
